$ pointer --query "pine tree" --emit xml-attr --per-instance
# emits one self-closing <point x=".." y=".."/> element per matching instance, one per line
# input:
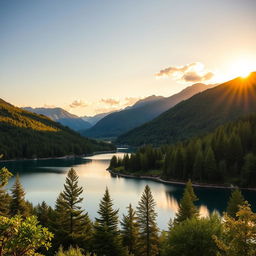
<point x="107" y="239"/>
<point x="130" y="230"/>
<point x="70" y="219"/>
<point x="148" y="230"/>
<point x="18" y="204"/>
<point x="198" y="167"/>
<point x="43" y="213"/>
<point x="187" y="209"/>
<point x="211" y="166"/>
<point x="236" y="199"/>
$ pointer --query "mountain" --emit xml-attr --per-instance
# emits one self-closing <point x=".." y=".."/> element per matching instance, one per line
<point x="95" y="119"/>
<point x="24" y="134"/>
<point x="199" y="114"/>
<point x="141" y="112"/>
<point x="62" y="116"/>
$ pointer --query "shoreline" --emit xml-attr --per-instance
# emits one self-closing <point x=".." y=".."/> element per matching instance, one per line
<point x="174" y="182"/>
<point x="58" y="157"/>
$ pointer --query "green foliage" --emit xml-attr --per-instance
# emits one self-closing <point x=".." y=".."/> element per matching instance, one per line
<point x="236" y="199"/>
<point x="199" y="114"/>
<point x="225" y="156"/>
<point x="27" y="135"/>
<point x="239" y="235"/>
<point x="107" y="240"/>
<point x="72" y="252"/>
<point x="148" y="230"/>
<point x="22" y="237"/>
<point x="187" y="209"/>
<point x="71" y="224"/>
<point x="4" y="196"/>
<point x="18" y="204"/>
<point x="130" y="231"/>
<point x="193" y="237"/>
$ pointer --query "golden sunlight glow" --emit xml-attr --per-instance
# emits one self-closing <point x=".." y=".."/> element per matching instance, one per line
<point x="242" y="68"/>
<point x="239" y="67"/>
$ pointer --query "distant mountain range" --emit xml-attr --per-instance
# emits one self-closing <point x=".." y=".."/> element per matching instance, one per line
<point x="141" y="112"/>
<point x="62" y="116"/>
<point x="199" y="114"/>
<point x="94" y="119"/>
<point x="24" y="134"/>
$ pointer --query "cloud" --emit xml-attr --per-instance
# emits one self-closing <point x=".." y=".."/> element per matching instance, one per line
<point x="193" y="72"/>
<point x="78" y="104"/>
<point x="195" y="77"/>
<point x="110" y="101"/>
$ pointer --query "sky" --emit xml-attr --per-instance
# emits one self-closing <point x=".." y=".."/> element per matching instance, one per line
<point x="95" y="56"/>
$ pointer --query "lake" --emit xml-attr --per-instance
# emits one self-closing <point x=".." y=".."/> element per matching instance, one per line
<point x="43" y="180"/>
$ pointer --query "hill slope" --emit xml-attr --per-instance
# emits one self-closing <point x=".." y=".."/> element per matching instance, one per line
<point x="62" y="116"/>
<point x="143" y="111"/>
<point x="199" y="114"/>
<point x="28" y="135"/>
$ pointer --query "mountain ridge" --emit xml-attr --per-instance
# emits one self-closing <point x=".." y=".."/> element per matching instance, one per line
<point x="119" y="122"/>
<point x="201" y="113"/>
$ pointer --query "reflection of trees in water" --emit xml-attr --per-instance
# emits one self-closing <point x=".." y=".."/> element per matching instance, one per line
<point x="209" y="200"/>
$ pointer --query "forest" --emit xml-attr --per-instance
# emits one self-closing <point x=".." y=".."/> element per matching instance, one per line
<point x="225" y="156"/>
<point x="67" y="230"/>
<point x="27" y="135"/>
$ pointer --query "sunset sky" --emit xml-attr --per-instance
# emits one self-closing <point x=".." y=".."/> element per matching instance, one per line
<point x="93" y="56"/>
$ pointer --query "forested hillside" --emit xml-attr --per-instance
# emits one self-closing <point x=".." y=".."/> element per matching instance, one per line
<point x="198" y="115"/>
<point x="27" y="135"/>
<point x="225" y="156"/>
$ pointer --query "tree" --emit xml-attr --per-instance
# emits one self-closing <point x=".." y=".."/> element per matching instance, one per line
<point x="75" y="226"/>
<point x="211" y="166"/>
<point x="130" y="230"/>
<point x="148" y="230"/>
<point x="193" y="237"/>
<point x="4" y="197"/>
<point x="18" y="204"/>
<point x="113" y="162"/>
<point x="187" y="209"/>
<point x="236" y="199"/>
<point x="22" y="237"/>
<point x="107" y="240"/>
<point x="43" y="212"/>
<point x="239" y="235"/>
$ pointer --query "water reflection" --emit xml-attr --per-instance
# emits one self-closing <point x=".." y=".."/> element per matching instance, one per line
<point x="44" y="179"/>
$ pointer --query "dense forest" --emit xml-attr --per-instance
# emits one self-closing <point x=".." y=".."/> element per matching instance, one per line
<point x="67" y="230"/>
<point x="27" y="135"/>
<point x="198" y="115"/>
<point x="225" y="156"/>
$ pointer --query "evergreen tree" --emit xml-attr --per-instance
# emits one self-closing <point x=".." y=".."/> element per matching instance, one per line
<point x="198" y="167"/>
<point x="211" y="166"/>
<point x="44" y="213"/>
<point x="187" y="209"/>
<point x="75" y="225"/>
<point x="236" y="199"/>
<point x="148" y="230"/>
<point x="107" y="239"/>
<point x="113" y="162"/>
<point x="18" y="204"/>
<point x="130" y="231"/>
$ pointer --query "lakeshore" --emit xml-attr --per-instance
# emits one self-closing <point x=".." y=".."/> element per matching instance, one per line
<point x="175" y="182"/>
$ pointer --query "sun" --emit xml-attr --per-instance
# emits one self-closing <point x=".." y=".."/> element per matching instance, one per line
<point x="242" y="68"/>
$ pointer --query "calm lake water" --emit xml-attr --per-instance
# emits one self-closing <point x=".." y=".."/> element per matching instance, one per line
<point x="44" y="179"/>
